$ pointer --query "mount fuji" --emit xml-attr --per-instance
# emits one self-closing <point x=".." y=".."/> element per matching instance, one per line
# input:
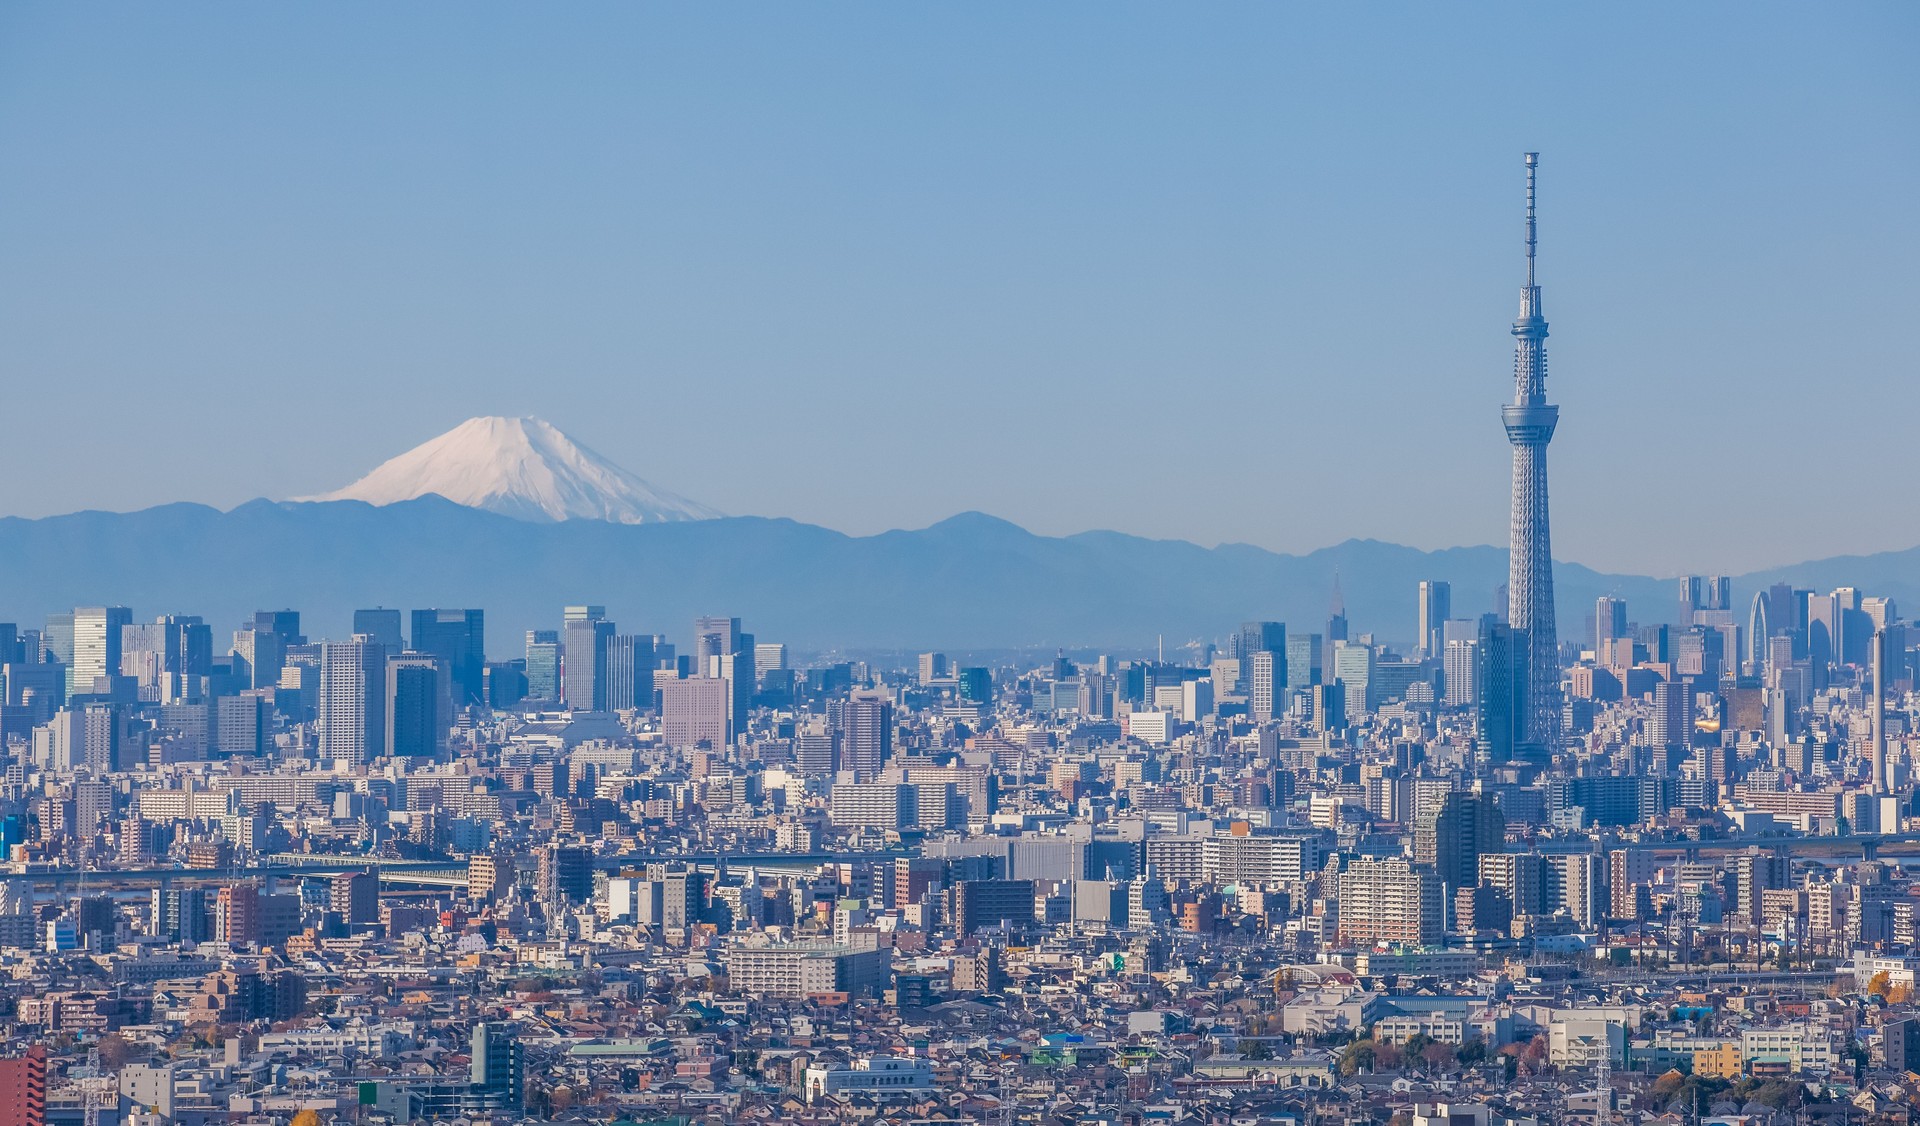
<point x="524" y="468"/>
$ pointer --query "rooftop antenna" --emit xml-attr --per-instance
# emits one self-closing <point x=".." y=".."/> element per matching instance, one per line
<point x="1533" y="165"/>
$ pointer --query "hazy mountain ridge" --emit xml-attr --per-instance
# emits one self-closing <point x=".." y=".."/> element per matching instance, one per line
<point x="971" y="581"/>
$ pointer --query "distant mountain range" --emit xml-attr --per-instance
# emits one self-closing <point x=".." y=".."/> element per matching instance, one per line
<point x="971" y="582"/>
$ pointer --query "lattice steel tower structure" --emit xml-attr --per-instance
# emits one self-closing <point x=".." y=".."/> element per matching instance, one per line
<point x="1530" y="421"/>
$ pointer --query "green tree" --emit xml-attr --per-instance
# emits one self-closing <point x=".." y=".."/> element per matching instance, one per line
<point x="1357" y="1058"/>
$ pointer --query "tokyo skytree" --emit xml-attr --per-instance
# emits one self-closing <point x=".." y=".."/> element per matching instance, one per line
<point x="1530" y="421"/>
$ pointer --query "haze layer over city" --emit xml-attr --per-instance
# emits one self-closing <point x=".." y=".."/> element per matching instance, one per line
<point x="786" y="565"/>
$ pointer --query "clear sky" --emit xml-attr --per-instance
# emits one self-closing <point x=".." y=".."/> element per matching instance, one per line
<point x="1216" y="272"/>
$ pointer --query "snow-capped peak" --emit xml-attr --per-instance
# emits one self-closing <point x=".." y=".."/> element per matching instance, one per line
<point x="524" y="468"/>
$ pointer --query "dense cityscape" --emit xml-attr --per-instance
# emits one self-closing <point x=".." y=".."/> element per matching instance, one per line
<point x="1475" y="867"/>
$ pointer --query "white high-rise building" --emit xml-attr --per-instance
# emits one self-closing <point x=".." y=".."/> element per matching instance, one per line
<point x="353" y="700"/>
<point x="1266" y="693"/>
<point x="96" y="645"/>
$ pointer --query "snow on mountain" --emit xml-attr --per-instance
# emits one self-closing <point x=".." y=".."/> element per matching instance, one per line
<point x="524" y="468"/>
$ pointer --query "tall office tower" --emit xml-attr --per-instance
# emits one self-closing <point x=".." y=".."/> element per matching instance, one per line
<point x="1260" y="637"/>
<point x="286" y="623"/>
<point x="1667" y="722"/>
<point x="96" y="645"/>
<point x="933" y="666"/>
<point x="1353" y="666"/>
<point x="1689" y="596"/>
<point x="353" y="701"/>
<point x="1787" y="613"/>
<point x="629" y="670"/>
<point x="1336" y="623"/>
<point x="584" y="664"/>
<point x="771" y="656"/>
<point x="582" y="613"/>
<point x="1329" y="707"/>
<point x="1436" y="606"/>
<point x="1609" y="623"/>
<point x="419" y="704"/>
<point x="543" y="664"/>
<point x="1760" y="630"/>
<point x="149" y="652"/>
<point x="458" y="637"/>
<point x="1716" y="593"/>
<point x="1823" y="636"/>
<point x="1879" y="710"/>
<point x="1305" y="657"/>
<point x="56" y="639"/>
<point x="866" y="734"/>
<point x="382" y="625"/>
<point x="258" y="657"/>
<point x="1530" y="421"/>
<point x="1266" y="686"/>
<point x="1500" y="704"/>
<point x="1880" y="611"/>
<point x="1852" y="636"/>
<point x="1452" y="837"/>
<point x="736" y="669"/>
<point x="714" y="637"/>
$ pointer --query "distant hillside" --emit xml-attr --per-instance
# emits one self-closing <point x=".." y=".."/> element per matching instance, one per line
<point x="969" y="582"/>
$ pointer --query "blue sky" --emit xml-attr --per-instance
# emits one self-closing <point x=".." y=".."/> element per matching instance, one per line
<point x="1218" y="272"/>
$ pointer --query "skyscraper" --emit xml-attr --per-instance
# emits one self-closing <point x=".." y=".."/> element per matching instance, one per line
<point x="382" y="625"/>
<point x="1305" y="655"/>
<point x="353" y="701"/>
<point x="1500" y="702"/>
<point x="1609" y="622"/>
<point x="1452" y="837"/>
<point x="96" y="646"/>
<point x="1266" y="685"/>
<point x="1877" y="710"/>
<point x="1530" y="421"/>
<point x="1436" y="606"/>
<point x="543" y="664"/>
<point x="866" y="724"/>
<point x="584" y="667"/>
<point x="259" y="655"/>
<point x="458" y="637"/>
<point x="1261" y="637"/>
<point x="419" y="704"/>
<point x="629" y="672"/>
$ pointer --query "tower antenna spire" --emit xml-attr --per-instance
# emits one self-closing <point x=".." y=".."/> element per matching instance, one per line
<point x="1533" y="166"/>
<point x="1530" y="422"/>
